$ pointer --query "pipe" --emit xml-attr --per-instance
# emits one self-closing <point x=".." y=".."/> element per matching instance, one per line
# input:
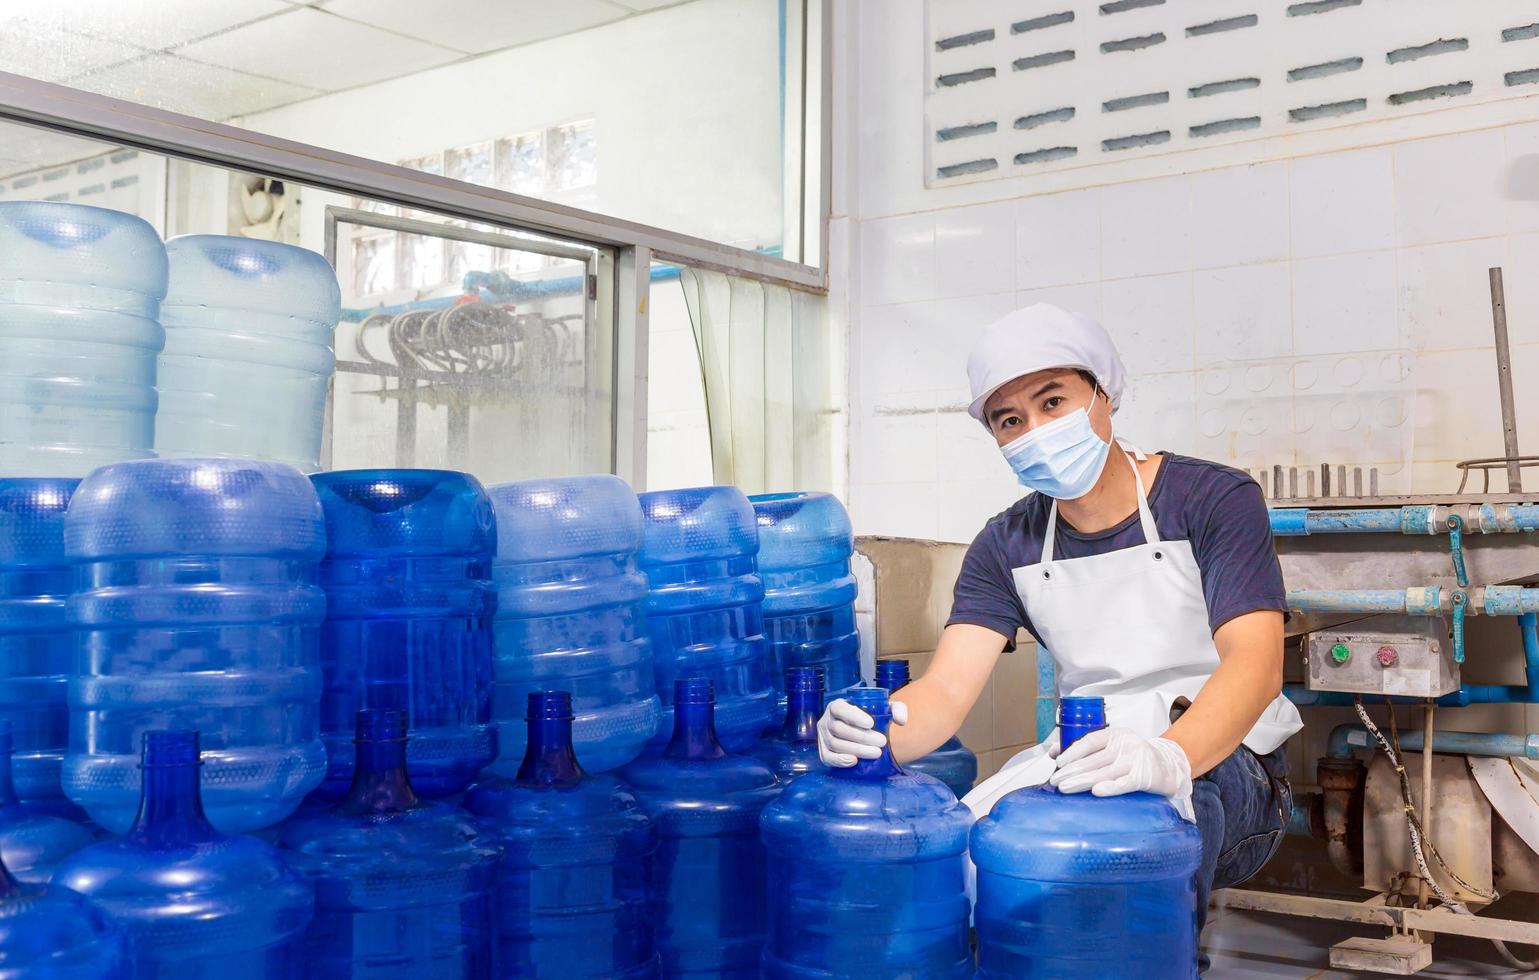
<point x="1466" y="695"/>
<point x="1293" y="522"/>
<point x="1345" y="738"/>
<point x="1426" y="600"/>
<point x="1342" y="784"/>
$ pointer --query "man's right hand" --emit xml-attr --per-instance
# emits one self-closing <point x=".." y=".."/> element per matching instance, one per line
<point x="845" y="733"/>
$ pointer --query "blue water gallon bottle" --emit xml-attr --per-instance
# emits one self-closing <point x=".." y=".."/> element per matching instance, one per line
<point x="793" y="751"/>
<point x="33" y="839"/>
<point x="80" y="292"/>
<point x="196" y="604"/>
<point x="572" y="883"/>
<point x="571" y="616"/>
<point x="1075" y="885"/>
<point x="48" y="932"/>
<point x="805" y="544"/>
<point x="705" y="609"/>
<point x="409" y="620"/>
<point x="248" y="350"/>
<point x="403" y="887"/>
<point x="36" y="648"/>
<point x="198" y="904"/>
<point x="707" y="883"/>
<point x="867" y="872"/>
<point x="953" y="763"/>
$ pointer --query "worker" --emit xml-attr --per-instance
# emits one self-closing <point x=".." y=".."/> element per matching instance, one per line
<point x="1151" y="579"/>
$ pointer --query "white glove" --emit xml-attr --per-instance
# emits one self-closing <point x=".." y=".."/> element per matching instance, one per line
<point x="1113" y="761"/>
<point x="845" y="735"/>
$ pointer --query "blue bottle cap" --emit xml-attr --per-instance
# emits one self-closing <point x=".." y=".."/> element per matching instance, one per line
<point x="170" y="747"/>
<point x="380" y="725"/>
<point x="551" y="705"/>
<point x="694" y="690"/>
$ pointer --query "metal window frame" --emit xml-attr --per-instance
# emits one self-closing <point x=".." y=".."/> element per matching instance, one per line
<point x="630" y="246"/>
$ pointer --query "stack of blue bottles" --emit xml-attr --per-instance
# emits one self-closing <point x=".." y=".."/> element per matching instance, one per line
<point x="248" y="350"/>
<point x="198" y="905"/>
<point x="80" y="292"/>
<point x="571" y="616"/>
<point x="793" y="751"/>
<point x="953" y="763"/>
<point x="36" y="648"/>
<point x="1047" y="860"/>
<point x="402" y="886"/>
<point x="572" y="885"/>
<point x="409" y="620"/>
<point x="707" y="883"/>
<point x="51" y="933"/>
<point x="805" y="544"/>
<point x="705" y="610"/>
<point x="32" y="839"/>
<point x="867" y="872"/>
<point x="196" y="605"/>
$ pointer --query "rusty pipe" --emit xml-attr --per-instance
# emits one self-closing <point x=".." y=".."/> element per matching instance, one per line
<point x="1342" y="783"/>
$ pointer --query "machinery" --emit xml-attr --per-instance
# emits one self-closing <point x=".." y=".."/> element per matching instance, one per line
<point x="1394" y="600"/>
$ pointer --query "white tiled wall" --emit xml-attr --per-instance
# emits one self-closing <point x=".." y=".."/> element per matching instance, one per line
<point x="1316" y="256"/>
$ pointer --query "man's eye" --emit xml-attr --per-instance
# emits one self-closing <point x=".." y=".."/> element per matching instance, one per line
<point x="1011" y="422"/>
<point x="1052" y="403"/>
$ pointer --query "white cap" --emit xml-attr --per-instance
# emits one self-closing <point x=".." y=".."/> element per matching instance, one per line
<point x="1035" y="339"/>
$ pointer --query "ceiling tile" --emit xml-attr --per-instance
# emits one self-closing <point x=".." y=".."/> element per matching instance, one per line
<point x="477" y="27"/>
<point x="179" y="85"/>
<point x="313" y="48"/>
<point x="41" y="51"/>
<point x="150" y="23"/>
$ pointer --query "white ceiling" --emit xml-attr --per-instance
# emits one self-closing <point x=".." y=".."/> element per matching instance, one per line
<point x="221" y="58"/>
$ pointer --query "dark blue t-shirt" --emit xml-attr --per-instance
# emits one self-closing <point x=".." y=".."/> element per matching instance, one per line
<point x="1218" y="509"/>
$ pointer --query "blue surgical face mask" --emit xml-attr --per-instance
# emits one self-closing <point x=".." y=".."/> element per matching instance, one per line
<point x="1062" y="459"/>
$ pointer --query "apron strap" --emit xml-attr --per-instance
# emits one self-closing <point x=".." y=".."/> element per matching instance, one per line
<point x="1145" y="515"/>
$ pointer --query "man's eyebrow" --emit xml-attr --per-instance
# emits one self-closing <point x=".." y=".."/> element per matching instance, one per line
<point x="1052" y="385"/>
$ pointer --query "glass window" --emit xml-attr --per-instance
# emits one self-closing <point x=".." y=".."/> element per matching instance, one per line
<point x="676" y="115"/>
<point x="482" y="349"/>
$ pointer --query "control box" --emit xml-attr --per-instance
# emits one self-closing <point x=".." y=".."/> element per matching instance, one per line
<point x="1406" y="655"/>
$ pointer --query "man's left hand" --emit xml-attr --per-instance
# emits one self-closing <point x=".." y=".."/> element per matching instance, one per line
<point x="1113" y="761"/>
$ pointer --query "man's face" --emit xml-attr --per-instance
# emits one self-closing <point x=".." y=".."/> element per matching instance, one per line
<point x="1038" y="398"/>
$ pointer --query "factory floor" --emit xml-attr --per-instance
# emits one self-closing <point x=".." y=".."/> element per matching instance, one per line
<point x="1245" y="945"/>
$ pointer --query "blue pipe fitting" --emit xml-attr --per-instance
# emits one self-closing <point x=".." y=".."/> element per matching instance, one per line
<point x="1290" y="522"/>
<point x="1456" y="549"/>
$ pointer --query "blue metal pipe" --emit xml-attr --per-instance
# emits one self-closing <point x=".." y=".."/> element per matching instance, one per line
<point x="1292" y="522"/>
<point x="1416" y="602"/>
<point x="1466" y="695"/>
<point x="1345" y="738"/>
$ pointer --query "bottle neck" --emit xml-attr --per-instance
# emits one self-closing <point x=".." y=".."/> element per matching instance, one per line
<point x="380" y="783"/>
<point x="549" y="760"/>
<point x="873" y="770"/>
<point x="171" y="808"/>
<point x="694" y="732"/>
<point x="802" y="710"/>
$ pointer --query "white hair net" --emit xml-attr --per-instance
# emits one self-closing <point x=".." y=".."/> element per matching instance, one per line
<point x="1038" y="338"/>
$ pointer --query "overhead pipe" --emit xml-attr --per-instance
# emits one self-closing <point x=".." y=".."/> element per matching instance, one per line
<point x="1415" y="519"/>
<point x="1345" y="738"/>
<point x="1426" y="600"/>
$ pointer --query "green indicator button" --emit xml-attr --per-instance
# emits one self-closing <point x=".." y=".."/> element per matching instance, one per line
<point x="1341" y="653"/>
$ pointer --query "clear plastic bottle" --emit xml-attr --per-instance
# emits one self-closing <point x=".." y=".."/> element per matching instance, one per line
<point x="36" y="648"/>
<point x="33" y="840"/>
<point x="953" y="763"/>
<point x="409" y="619"/>
<point x="402" y="886"/>
<point x="196" y="605"/>
<point x="707" y="883"/>
<point x="80" y="292"/>
<point x="198" y="904"/>
<point x="1044" y="858"/>
<point x="571" y="616"/>
<point x="48" y="932"/>
<point x="805" y="544"/>
<point x="248" y="350"/>
<point x="793" y="751"/>
<point x="705" y="608"/>
<point x="867" y="872"/>
<point x="572" y="885"/>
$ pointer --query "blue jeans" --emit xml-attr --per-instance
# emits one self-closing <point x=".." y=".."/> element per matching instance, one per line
<point x="1243" y="805"/>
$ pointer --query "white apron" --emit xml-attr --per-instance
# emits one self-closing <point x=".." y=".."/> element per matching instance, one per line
<point x="1130" y="626"/>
